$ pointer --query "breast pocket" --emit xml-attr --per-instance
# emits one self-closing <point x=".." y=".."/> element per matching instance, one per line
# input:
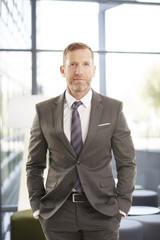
<point x="104" y="125"/>
<point x="105" y="130"/>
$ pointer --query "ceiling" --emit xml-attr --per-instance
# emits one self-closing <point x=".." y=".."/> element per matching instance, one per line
<point x="156" y="2"/>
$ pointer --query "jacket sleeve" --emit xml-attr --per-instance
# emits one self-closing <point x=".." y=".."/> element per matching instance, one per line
<point x="36" y="164"/>
<point x="124" y="154"/>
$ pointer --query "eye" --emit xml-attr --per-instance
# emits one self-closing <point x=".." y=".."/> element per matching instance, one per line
<point x="73" y="64"/>
<point x="86" y="64"/>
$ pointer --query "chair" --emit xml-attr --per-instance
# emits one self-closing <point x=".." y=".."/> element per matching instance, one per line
<point x="130" y="230"/>
<point x="25" y="227"/>
<point x="151" y="226"/>
<point x="145" y="198"/>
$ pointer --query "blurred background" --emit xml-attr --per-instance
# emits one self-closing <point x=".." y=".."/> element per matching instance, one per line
<point x="125" y="38"/>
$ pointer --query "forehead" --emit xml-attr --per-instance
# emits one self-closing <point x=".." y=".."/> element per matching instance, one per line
<point x="79" y="55"/>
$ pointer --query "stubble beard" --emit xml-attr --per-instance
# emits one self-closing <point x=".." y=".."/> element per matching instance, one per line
<point x="79" y="88"/>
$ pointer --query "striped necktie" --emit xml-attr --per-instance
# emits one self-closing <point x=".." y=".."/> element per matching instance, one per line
<point x="76" y="137"/>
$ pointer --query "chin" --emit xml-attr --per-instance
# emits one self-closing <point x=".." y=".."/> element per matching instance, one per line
<point x="80" y="88"/>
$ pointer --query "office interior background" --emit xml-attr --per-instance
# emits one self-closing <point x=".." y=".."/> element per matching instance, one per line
<point x="124" y="36"/>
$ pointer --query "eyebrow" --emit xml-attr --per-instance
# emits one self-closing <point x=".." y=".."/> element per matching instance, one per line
<point x="77" y="62"/>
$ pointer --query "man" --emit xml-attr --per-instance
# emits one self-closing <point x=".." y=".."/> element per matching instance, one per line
<point x="80" y="129"/>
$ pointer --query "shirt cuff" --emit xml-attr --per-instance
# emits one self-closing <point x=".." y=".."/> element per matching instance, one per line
<point x="123" y="213"/>
<point x="36" y="214"/>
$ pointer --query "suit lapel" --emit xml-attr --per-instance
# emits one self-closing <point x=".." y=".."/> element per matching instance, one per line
<point x="96" y="110"/>
<point x="57" y="110"/>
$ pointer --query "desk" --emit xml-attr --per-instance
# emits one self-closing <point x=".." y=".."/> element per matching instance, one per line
<point x="143" y="210"/>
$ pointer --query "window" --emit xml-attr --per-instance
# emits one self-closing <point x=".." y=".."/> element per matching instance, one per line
<point x="132" y="43"/>
<point x="56" y="28"/>
<point x="132" y="56"/>
<point x="15" y="80"/>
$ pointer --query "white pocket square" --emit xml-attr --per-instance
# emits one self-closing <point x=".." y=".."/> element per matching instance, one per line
<point x="103" y="124"/>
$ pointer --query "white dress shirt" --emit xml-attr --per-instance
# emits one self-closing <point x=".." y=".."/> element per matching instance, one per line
<point x="84" y="112"/>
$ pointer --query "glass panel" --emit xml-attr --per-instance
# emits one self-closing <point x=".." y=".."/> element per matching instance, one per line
<point x="15" y="67"/>
<point x="50" y="81"/>
<point x="133" y="28"/>
<point x="149" y="1"/>
<point x="60" y="23"/>
<point x="128" y="79"/>
<point x="15" y="25"/>
<point x="15" y="80"/>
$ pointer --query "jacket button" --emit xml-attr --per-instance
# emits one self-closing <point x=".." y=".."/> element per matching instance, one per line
<point x="78" y="162"/>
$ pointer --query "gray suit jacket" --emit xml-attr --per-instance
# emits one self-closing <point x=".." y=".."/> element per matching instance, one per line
<point x="108" y="132"/>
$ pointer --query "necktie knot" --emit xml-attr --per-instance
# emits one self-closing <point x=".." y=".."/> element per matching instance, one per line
<point x="76" y="104"/>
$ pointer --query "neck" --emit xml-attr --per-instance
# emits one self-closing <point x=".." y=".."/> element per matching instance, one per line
<point x="78" y="95"/>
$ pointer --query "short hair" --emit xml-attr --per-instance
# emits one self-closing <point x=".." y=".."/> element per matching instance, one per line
<point x="76" y="46"/>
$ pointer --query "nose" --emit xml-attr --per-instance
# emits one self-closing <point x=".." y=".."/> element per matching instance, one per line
<point x="78" y="70"/>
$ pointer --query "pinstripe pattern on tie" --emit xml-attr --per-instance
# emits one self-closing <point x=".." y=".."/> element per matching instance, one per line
<point x="76" y="136"/>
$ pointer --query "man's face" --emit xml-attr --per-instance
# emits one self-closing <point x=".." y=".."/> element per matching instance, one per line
<point x="78" y="71"/>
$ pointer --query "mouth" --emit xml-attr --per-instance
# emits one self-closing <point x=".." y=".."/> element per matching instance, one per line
<point x="78" y="79"/>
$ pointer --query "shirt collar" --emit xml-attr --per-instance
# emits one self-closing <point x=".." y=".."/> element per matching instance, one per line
<point x="86" y="100"/>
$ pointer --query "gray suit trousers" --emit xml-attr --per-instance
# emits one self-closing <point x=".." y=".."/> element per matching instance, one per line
<point x="80" y="221"/>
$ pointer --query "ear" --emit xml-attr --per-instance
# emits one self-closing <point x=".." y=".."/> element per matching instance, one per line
<point x="94" y="71"/>
<point x="62" y="71"/>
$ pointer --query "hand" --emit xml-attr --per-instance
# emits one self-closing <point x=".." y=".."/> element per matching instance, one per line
<point x="122" y="214"/>
<point x="36" y="214"/>
<point x="36" y="217"/>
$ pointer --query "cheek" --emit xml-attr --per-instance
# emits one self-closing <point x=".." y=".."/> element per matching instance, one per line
<point x="68" y="75"/>
<point x="90" y="75"/>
